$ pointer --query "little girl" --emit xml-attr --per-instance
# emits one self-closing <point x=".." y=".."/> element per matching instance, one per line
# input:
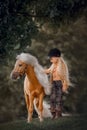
<point x="59" y="79"/>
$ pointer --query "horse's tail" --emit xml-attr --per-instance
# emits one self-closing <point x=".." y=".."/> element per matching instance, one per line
<point x="46" y="109"/>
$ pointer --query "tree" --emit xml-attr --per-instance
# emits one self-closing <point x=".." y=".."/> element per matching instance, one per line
<point x="16" y="28"/>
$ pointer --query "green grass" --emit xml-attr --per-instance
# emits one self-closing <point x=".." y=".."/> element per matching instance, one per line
<point x="64" y="123"/>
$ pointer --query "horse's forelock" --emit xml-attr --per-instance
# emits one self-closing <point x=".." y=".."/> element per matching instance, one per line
<point x="27" y="58"/>
<point x="17" y="57"/>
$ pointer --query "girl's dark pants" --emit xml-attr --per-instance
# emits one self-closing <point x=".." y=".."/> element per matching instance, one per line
<point x="56" y="98"/>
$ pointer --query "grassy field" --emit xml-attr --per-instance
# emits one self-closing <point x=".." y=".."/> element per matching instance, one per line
<point x="64" y="123"/>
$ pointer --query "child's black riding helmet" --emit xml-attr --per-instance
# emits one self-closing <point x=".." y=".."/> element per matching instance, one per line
<point x="54" y="53"/>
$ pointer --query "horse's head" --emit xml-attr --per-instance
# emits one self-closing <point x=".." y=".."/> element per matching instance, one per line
<point x="19" y="69"/>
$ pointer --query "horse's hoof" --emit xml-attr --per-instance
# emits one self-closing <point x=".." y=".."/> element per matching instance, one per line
<point x="41" y="120"/>
<point x="28" y="121"/>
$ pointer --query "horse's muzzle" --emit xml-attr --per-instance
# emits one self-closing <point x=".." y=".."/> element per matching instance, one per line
<point x="14" y="75"/>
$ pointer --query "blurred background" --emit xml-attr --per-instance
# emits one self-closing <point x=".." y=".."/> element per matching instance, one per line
<point x="36" y="26"/>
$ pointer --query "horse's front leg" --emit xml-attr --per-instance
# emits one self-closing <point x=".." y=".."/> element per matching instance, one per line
<point x="26" y="99"/>
<point x="30" y="111"/>
<point x="40" y="107"/>
<point x="27" y="102"/>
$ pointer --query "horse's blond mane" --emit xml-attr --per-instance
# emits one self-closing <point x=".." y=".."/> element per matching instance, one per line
<point x="38" y="69"/>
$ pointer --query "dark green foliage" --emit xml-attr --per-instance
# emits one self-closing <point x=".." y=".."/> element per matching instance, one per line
<point x="56" y="10"/>
<point x="16" y="24"/>
<point x="16" y="29"/>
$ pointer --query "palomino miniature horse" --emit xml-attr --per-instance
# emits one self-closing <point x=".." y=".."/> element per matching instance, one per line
<point x="36" y="84"/>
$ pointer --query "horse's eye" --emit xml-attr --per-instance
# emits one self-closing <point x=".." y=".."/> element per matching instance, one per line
<point x="20" y="65"/>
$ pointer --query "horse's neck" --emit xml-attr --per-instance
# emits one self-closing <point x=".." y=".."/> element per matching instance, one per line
<point x="31" y="74"/>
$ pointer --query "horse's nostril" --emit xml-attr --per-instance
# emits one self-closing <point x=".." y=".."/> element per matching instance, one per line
<point x="15" y="75"/>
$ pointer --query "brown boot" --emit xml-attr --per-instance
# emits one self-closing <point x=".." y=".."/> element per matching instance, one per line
<point x="58" y="114"/>
<point x="53" y="115"/>
<point x="53" y="112"/>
